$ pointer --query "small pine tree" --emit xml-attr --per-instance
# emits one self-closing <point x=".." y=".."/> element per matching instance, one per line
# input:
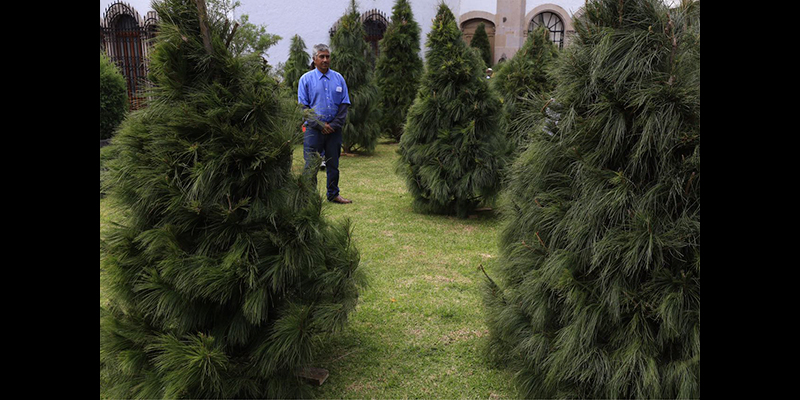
<point x="350" y="57"/>
<point x="398" y="69"/>
<point x="598" y="293"/>
<point x="525" y="76"/>
<point x="453" y="149"/>
<point x="480" y="41"/>
<point x="297" y="64"/>
<point x="222" y="275"/>
<point x="113" y="97"/>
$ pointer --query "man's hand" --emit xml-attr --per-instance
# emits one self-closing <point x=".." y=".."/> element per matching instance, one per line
<point x="327" y="129"/>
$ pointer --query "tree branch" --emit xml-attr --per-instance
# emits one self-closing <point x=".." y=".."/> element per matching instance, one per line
<point x="204" y="29"/>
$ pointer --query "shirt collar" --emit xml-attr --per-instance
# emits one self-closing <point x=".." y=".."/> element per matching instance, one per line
<point x="319" y="74"/>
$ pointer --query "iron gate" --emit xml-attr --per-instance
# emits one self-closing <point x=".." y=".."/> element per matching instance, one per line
<point x="375" y="25"/>
<point x="127" y="40"/>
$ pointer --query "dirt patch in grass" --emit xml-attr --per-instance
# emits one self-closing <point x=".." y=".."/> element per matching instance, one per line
<point x="463" y="334"/>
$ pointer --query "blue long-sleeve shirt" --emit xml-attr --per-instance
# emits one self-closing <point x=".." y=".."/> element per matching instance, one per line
<point x="326" y="94"/>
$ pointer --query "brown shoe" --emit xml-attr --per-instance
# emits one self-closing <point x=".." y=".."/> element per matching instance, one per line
<point x="341" y="200"/>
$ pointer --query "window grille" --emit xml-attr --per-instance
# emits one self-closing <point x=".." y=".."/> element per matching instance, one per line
<point x="552" y="22"/>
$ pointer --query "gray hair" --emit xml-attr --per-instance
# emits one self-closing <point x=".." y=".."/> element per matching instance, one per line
<point x="320" y="47"/>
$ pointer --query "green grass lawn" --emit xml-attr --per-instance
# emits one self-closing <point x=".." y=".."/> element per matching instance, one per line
<point x="419" y="330"/>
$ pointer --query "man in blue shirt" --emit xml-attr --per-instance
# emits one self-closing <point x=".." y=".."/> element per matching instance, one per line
<point x="324" y="91"/>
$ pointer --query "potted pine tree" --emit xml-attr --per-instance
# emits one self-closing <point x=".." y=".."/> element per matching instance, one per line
<point x="297" y="64"/>
<point x="398" y="69"/>
<point x="525" y="84"/>
<point x="350" y="56"/>
<point x="222" y="274"/>
<point x="596" y="293"/>
<point x="453" y="149"/>
<point x="480" y="41"/>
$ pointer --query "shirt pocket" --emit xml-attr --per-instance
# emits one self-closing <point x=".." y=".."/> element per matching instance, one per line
<point x="338" y="95"/>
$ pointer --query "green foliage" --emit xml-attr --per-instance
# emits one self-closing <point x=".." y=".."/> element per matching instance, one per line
<point x="297" y="64"/>
<point x="113" y="97"/>
<point x="398" y="69"/>
<point x="480" y="41"/>
<point x="453" y="149"/>
<point x="222" y="275"/>
<point x="350" y="57"/>
<point x="597" y="291"/>
<point x="419" y="328"/>
<point x="525" y="78"/>
<point x="250" y="39"/>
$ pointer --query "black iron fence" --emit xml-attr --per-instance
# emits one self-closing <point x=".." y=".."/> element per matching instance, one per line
<point x="127" y="39"/>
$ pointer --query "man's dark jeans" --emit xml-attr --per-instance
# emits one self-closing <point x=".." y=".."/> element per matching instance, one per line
<point x="314" y="141"/>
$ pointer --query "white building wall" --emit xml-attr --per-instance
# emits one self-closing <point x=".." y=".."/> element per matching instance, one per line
<point x="570" y="6"/>
<point x="489" y="6"/>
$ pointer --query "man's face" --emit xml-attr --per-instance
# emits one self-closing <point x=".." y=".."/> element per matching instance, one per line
<point x="322" y="61"/>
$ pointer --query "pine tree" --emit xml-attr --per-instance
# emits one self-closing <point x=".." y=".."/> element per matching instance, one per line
<point x="113" y="97"/>
<point x="250" y="38"/>
<point x="297" y="64"/>
<point x="480" y="41"/>
<point x="525" y="84"/>
<point x="350" y="57"/>
<point x="453" y="149"/>
<point x="223" y="274"/>
<point x="597" y="294"/>
<point x="398" y="69"/>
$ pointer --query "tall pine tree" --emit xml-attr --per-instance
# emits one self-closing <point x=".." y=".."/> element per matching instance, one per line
<point x="297" y="64"/>
<point x="222" y="275"/>
<point x="524" y="82"/>
<point x="480" y="41"/>
<point x="453" y="149"/>
<point x="398" y="69"/>
<point x="350" y="57"/>
<point x="598" y="284"/>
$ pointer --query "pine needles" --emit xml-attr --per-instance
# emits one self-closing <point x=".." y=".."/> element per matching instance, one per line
<point x="398" y="69"/>
<point x="599" y="277"/>
<point x="452" y="151"/>
<point x="223" y="275"/>
<point x="350" y="56"/>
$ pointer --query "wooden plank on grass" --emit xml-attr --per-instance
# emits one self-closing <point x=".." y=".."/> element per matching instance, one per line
<point x="316" y="375"/>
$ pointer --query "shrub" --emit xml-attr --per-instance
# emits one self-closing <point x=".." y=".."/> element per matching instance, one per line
<point x="480" y="41"/>
<point x="113" y="97"/>
<point x="398" y="69"/>
<point x="351" y="57"/>
<point x="524" y="82"/>
<point x="223" y="275"/>
<point x="598" y="284"/>
<point x="297" y="64"/>
<point x="453" y="150"/>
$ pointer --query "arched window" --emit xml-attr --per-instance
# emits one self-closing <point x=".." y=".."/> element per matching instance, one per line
<point x="469" y="26"/>
<point x="552" y="22"/>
